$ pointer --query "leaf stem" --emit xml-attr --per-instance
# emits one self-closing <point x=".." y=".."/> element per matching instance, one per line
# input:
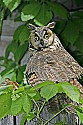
<point x="54" y="116"/>
<point x="42" y="107"/>
<point x="36" y="104"/>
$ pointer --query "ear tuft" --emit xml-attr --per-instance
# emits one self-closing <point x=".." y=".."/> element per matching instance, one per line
<point x="51" y="25"/>
<point x="31" y="26"/>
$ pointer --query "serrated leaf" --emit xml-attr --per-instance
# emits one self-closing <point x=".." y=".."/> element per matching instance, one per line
<point x="30" y="11"/>
<point x="21" y="34"/>
<point x="27" y="104"/>
<point x="5" y="104"/>
<point x="44" y="16"/>
<point x="71" y="32"/>
<point x="59" y="9"/>
<point x="79" y="112"/>
<point x="49" y="91"/>
<point x="12" y="4"/>
<point x="71" y="91"/>
<point x="20" y="52"/>
<point x="16" y="105"/>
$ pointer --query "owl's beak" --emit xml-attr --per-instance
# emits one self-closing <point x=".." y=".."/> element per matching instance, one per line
<point x="42" y="42"/>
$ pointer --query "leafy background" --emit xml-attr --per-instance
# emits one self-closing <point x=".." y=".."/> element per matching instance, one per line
<point x="68" y="16"/>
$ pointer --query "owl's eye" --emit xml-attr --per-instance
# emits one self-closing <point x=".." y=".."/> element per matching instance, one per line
<point x="36" y="38"/>
<point x="46" y="36"/>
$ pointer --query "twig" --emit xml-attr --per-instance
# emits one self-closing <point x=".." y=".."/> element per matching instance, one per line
<point x="54" y="116"/>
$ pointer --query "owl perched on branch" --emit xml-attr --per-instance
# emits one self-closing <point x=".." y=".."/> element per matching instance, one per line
<point x="49" y="60"/>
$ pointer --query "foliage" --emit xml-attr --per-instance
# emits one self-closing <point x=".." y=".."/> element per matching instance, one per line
<point x="69" y="28"/>
<point x="22" y="100"/>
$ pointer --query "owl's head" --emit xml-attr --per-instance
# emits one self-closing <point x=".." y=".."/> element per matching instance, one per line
<point x="41" y="37"/>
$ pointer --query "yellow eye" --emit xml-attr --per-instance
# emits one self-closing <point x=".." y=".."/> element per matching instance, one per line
<point x="36" y="38"/>
<point x="46" y="36"/>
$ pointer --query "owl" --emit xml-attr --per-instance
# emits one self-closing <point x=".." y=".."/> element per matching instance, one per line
<point x="50" y="61"/>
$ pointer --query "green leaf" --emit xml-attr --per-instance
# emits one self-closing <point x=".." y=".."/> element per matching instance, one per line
<point x="15" y="96"/>
<point x="30" y="11"/>
<point x="42" y="85"/>
<point x="60" y="25"/>
<point x="30" y="116"/>
<point x="79" y="42"/>
<point x="7" y="2"/>
<point x="59" y="9"/>
<point x="20" y="76"/>
<point x="12" y="4"/>
<point x="19" y="90"/>
<point x="49" y="91"/>
<point x="5" y="104"/>
<point x="27" y="87"/>
<point x="71" y="32"/>
<point x="80" y="23"/>
<point x="2" y="12"/>
<point x="44" y="16"/>
<point x="32" y="93"/>
<point x="21" y="34"/>
<point x="9" y="75"/>
<point x="59" y="123"/>
<point x="9" y="63"/>
<point x="23" y="120"/>
<point x="71" y="91"/>
<point x="2" y="88"/>
<point x="81" y="100"/>
<point x="7" y="71"/>
<point x="16" y="105"/>
<point x="79" y="2"/>
<point x="27" y="104"/>
<point x="2" y="58"/>
<point x="77" y="14"/>
<point x="12" y="47"/>
<point x="37" y="96"/>
<point x="20" y="52"/>
<point x="79" y="112"/>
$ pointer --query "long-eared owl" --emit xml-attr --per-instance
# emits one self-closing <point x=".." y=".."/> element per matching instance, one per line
<point x="49" y="60"/>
